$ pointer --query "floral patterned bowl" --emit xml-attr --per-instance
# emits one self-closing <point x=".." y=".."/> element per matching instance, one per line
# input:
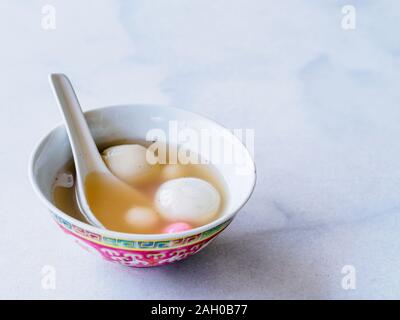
<point x="134" y="122"/>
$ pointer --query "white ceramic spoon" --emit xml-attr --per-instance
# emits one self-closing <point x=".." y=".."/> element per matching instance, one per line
<point x="86" y="155"/>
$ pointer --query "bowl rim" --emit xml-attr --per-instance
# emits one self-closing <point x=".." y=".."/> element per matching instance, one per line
<point x="138" y="236"/>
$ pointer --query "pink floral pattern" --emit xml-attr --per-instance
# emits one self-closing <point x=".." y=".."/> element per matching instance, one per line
<point x="141" y="258"/>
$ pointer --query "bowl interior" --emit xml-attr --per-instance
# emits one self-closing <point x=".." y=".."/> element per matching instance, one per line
<point x="134" y="122"/>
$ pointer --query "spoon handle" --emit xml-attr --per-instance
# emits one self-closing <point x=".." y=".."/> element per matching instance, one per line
<point x="86" y="154"/>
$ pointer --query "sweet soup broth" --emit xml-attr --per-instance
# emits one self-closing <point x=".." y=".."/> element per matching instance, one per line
<point x="110" y="213"/>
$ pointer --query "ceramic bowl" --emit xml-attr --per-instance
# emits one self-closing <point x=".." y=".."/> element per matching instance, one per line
<point x="133" y="122"/>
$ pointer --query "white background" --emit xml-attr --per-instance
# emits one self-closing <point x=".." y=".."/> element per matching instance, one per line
<point x="324" y="103"/>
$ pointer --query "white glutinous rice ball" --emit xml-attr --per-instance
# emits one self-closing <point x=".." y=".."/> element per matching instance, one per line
<point x="142" y="218"/>
<point x="191" y="200"/>
<point x="129" y="163"/>
<point x="173" y="171"/>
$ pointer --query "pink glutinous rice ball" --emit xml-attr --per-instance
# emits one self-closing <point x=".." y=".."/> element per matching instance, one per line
<point x="177" y="227"/>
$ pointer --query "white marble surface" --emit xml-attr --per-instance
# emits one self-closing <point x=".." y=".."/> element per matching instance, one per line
<point x="324" y="103"/>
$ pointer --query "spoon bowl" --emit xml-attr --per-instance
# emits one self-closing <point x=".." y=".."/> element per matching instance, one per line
<point x="88" y="162"/>
<point x="133" y="122"/>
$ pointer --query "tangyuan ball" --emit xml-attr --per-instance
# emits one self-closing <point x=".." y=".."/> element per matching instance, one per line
<point x="129" y="163"/>
<point x="189" y="200"/>
<point x="177" y="227"/>
<point x="173" y="171"/>
<point x="142" y="218"/>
